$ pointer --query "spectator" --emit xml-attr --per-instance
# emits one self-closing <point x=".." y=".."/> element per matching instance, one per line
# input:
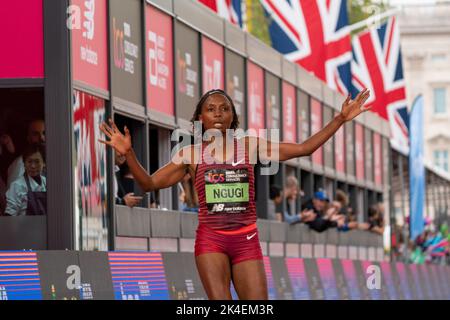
<point x="27" y="194"/>
<point x="291" y="192"/>
<point x="124" y="183"/>
<point x="275" y="209"/>
<point x="318" y="204"/>
<point x="7" y="155"/>
<point x="35" y="135"/>
<point x="345" y="211"/>
<point x="376" y="221"/>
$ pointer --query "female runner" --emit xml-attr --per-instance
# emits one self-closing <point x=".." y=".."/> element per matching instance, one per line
<point x="227" y="246"/>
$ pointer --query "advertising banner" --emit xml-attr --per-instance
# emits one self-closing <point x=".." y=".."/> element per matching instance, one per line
<point x="377" y="159"/>
<point x="316" y="126"/>
<point x="138" y="276"/>
<point x="19" y="276"/>
<point x="22" y="54"/>
<point x="272" y="101"/>
<point x="235" y="84"/>
<point x="281" y="279"/>
<point x="304" y="116"/>
<point x="125" y="23"/>
<point x="289" y="113"/>
<point x="182" y="277"/>
<point x="90" y="171"/>
<point x="298" y="278"/>
<point x="328" y="148"/>
<point x="213" y="69"/>
<point x="187" y="70"/>
<point x="90" y="44"/>
<point x="350" y="148"/>
<point x="359" y="151"/>
<point x="368" y="154"/>
<point x="255" y="91"/>
<point x="159" y="56"/>
<point x="339" y="150"/>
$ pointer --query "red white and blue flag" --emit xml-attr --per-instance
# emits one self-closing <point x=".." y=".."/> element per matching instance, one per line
<point x="377" y="65"/>
<point x="230" y="10"/>
<point x="315" y="35"/>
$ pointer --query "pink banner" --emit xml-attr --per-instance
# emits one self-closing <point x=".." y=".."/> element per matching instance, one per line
<point x="22" y="53"/>
<point x="377" y="159"/>
<point x="213" y="70"/>
<point x="89" y="43"/>
<point x="159" y="55"/>
<point x="289" y="113"/>
<point x="339" y="149"/>
<point x="255" y="89"/>
<point x="359" y="146"/>
<point x="316" y="125"/>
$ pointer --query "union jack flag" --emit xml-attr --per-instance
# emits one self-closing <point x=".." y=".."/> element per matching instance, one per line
<point x="377" y="65"/>
<point x="315" y="35"/>
<point x="230" y="10"/>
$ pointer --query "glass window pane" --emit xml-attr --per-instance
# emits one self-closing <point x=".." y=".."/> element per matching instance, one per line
<point x="439" y="100"/>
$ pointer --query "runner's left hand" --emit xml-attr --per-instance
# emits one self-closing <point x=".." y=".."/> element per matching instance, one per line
<point x="353" y="108"/>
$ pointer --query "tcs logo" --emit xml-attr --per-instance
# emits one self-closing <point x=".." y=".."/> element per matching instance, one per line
<point x="216" y="177"/>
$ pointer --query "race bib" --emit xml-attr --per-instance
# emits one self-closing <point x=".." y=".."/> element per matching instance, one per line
<point x="226" y="190"/>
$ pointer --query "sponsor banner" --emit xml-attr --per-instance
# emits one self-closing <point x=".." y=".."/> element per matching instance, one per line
<point x="138" y="276"/>
<point x="316" y="126"/>
<point x="272" y="292"/>
<point x="359" y="151"/>
<point x="272" y="101"/>
<point x="350" y="148"/>
<point x="377" y="159"/>
<point x="187" y="70"/>
<point x="182" y="277"/>
<point x="235" y="83"/>
<point x="22" y="54"/>
<point x="213" y="70"/>
<point x="368" y="154"/>
<point x="19" y="276"/>
<point x="159" y="57"/>
<point x="255" y="91"/>
<point x="304" y="116"/>
<point x="339" y="150"/>
<point x="90" y="171"/>
<point x="60" y="275"/>
<point x="289" y="113"/>
<point x="298" y="278"/>
<point x="328" y="148"/>
<point x="328" y="279"/>
<point x="315" y="284"/>
<point x="125" y="24"/>
<point x="281" y="279"/>
<point x="90" y="44"/>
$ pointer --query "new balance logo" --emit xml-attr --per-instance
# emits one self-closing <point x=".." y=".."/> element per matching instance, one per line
<point x="234" y="164"/>
<point x="250" y="237"/>
<point x="218" y="207"/>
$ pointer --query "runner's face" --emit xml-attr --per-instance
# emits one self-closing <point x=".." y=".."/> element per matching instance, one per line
<point x="217" y="113"/>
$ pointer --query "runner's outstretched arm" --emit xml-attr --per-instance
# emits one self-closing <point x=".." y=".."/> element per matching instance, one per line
<point x="165" y="177"/>
<point x="350" y="110"/>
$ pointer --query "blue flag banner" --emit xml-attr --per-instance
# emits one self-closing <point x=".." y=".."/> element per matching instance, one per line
<point x="416" y="169"/>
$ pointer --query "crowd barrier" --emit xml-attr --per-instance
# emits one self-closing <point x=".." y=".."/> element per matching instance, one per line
<point x="174" y="231"/>
<point x="132" y="275"/>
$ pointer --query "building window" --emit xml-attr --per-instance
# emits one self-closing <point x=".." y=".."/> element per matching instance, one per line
<point x="441" y="159"/>
<point x="439" y="100"/>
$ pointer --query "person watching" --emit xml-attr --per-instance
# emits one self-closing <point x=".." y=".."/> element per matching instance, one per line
<point x="27" y="195"/>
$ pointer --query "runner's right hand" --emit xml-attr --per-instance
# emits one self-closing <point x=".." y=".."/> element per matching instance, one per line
<point x="121" y="143"/>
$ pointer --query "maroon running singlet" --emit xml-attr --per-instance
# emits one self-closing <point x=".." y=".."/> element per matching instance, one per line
<point x="227" y="211"/>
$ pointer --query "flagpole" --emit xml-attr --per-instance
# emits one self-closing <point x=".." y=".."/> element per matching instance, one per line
<point x="369" y="21"/>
